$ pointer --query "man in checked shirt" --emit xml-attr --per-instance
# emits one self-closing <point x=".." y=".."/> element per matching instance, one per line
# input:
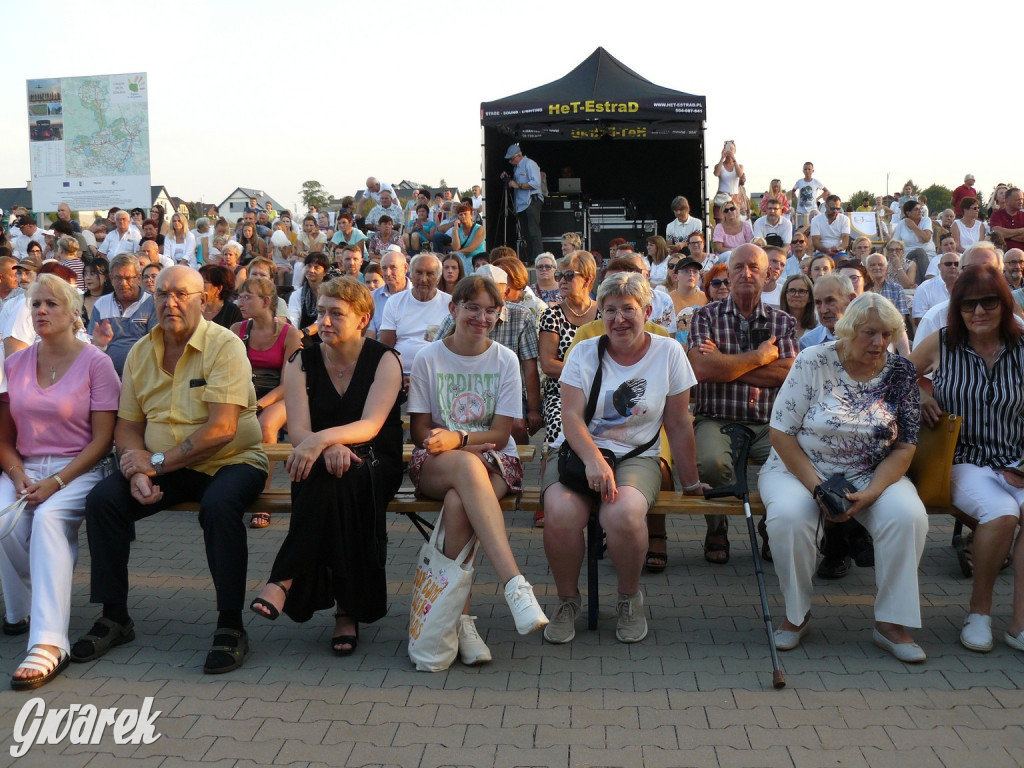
<point x="741" y="351"/>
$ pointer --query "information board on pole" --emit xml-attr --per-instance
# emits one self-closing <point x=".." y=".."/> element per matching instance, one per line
<point x="89" y="142"/>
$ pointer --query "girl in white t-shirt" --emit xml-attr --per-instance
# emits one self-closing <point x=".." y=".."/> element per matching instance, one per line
<point x="464" y="392"/>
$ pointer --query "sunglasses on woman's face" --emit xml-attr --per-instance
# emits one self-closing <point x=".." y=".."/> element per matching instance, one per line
<point x="567" y="275"/>
<point x="728" y="210"/>
<point x="720" y="282"/>
<point x="988" y="303"/>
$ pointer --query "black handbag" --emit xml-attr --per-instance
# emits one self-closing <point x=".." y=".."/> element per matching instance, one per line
<point x="831" y="497"/>
<point x="572" y="471"/>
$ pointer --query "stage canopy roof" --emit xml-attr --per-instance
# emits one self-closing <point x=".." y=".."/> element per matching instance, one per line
<point x="600" y="98"/>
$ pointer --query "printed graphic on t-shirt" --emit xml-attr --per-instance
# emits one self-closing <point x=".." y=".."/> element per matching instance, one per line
<point x="624" y="411"/>
<point x="468" y="400"/>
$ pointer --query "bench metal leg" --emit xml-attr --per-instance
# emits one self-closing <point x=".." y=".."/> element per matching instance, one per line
<point x="594" y="536"/>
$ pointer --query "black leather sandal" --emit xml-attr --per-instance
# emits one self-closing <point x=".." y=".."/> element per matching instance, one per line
<point x="350" y="640"/>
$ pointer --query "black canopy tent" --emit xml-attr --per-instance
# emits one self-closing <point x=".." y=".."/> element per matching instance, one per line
<point x="622" y="135"/>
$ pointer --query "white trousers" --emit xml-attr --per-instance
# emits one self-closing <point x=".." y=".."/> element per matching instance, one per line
<point x="897" y="521"/>
<point x="37" y="560"/>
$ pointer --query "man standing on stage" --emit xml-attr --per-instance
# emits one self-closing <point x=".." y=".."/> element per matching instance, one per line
<point x="528" y="198"/>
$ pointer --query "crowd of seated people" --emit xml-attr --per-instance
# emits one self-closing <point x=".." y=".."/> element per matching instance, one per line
<point x="756" y="323"/>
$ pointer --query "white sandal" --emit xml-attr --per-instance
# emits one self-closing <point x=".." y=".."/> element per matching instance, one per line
<point x="43" y="661"/>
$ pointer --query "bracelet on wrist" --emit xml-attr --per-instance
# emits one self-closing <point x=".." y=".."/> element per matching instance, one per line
<point x="14" y="467"/>
<point x="60" y="481"/>
<point x="694" y="487"/>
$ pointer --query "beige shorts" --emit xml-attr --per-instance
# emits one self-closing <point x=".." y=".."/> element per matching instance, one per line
<point x="640" y="472"/>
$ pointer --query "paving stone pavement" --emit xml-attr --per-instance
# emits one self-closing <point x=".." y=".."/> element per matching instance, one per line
<point x="696" y="692"/>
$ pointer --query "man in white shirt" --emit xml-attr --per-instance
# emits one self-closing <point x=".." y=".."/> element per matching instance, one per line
<point x="386" y="206"/>
<point x="374" y="189"/>
<point x="412" y="318"/>
<point x="771" y="294"/>
<point x="830" y="234"/>
<point x="394" y="267"/>
<point x="124" y="238"/>
<point x="678" y="231"/>
<point x="149" y="253"/>
<point x="947" y="244"/>
<point x="935" y="318"/>
<point x="932" y="292"/>
<point x="29" y="233"/>
<point x="772" y="223"/>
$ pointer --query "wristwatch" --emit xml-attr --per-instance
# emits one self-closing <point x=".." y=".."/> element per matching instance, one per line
<point x="157" y="460"/>
<point x="463" y="438"/>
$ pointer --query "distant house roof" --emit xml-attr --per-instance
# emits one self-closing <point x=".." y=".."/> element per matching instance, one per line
<point x="261" y="197"/>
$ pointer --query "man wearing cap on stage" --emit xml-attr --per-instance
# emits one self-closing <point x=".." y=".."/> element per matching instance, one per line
<point x="528" y="199"/>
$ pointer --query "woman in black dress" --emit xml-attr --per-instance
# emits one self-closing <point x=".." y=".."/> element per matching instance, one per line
<point x="343" y="398"/>
<point x="219" y="286"/>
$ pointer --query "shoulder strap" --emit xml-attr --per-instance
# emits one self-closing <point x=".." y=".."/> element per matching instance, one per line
<point x="245" y="337"/>
<point x="595" y="388"/>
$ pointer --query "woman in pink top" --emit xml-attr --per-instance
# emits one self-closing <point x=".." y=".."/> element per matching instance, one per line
<point x="56" y="427"/>
<point x="733" y="231"/>
<point x="268" y="343"/>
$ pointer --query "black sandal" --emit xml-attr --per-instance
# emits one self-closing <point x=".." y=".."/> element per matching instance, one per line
<point x="230" y="648"/>
<point x="104" y="635"/>
<point x="655" y="562"/>
<point x="260" y="520"/>
<point x="714" y="543"/>
<point x="272" y="610"/>
<point x="16" y="627"/>
<point x="350" y="640"/>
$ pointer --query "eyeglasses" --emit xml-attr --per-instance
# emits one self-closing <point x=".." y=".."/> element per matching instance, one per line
<point x="567" y="275"/>
<point x="800" y="242"/>
<point x="894" y="250"/>
<point x="797" y="292"/>
<point x="474" y="310"/>
<point x="545" y="266"/>
<point x="180" y="297"/>
<point x="835" y="208"/>
<point x="951" y="263"/>
<point x="626" y="313"/>
<point x="719" y="282"/>
<point x="988" y="303"/>
<point x="124" y="279"/>
<point x="695" y="242"/>
<point x="729" y="210"/>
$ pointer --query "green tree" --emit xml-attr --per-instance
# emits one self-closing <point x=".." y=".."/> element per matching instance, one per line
<point x="314" y="193"/>
<point x="939" y="198"/>
<point x="855" y="199"/>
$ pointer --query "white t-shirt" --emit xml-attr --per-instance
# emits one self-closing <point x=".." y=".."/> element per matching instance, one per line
<point x="773" y="297"/>
<point x="466" y="392"/>
<point x="784" y="229"/>
<point x="414" y="322"/>
<point x="631" y="403"/>
<point x="664" y="311"/>
<point x="903" y="232"/>
<point x="679" y="231"/>
<point x="114" y="244"/>
<point x="928" y="294"/>
<point x="830" y="234"/>
<point x="806" y="192"/>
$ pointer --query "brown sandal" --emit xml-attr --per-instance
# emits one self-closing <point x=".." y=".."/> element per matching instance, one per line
<point x="260" y="520"/>
<point x="716" y="548"/>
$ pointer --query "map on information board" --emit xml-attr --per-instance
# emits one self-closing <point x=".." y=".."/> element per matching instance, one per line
<point x="89" y="142"/>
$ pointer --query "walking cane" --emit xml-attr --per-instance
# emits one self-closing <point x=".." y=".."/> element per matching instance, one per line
<point x="740" y="438"/>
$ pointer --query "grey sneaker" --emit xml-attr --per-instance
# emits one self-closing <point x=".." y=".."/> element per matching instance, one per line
<point x="562" y="628"/>
<point x="632" y="624"/>
<point x="525" y="609"/>
<point x="472" y="648"/>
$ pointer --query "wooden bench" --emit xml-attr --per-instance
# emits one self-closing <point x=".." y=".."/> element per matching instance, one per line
<point x="406" y="502"/>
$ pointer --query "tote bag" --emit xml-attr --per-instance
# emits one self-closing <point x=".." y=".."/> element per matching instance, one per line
<point x="439" y="593"/>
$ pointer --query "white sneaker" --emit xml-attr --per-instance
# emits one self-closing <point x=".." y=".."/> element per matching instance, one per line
<point x="472" y="648"/>
<point x="632" y="624"/>
<point x="562" y="628"/>
<point x="977" y="633"/>
<point x="526" y="611"/>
